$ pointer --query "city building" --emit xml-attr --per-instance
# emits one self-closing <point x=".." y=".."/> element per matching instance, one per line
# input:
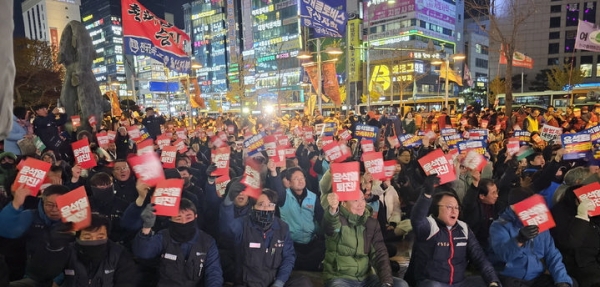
<point x="205" y="23"/>
<point x="45" y="19"/>
<point x="399" y="34"/>
<point x="477" y="48"/>
<point x="548" y="37"/>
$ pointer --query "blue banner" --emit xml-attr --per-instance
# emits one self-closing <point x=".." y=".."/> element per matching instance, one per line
<point x="366" y="131"/>
<point x="327" y="19"/>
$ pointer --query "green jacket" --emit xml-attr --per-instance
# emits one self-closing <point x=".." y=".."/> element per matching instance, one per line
<point x="354" y="244"/>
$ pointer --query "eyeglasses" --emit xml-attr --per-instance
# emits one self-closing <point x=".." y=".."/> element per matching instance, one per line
<point x="450" y="207"/>
<point x="121" y="168"/>
<point x="50" y="205"/>
<point x="265" y="205"/>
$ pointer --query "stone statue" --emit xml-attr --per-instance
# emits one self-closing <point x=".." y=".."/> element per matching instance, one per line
<point x="80" y="93"/>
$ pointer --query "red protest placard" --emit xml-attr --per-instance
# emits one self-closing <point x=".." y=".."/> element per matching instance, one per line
<point x="180" y="145"/>
<point x="283" y="140"/>
<point x="162" y="141"/>
<point x="92" y="120"/>
<point x="83" y="154"/>
<point x="474" y="160"/>
<point x="513" y="146"/>
<point x="346" y="135"/>
<point x="220" y="157"/>
<point x="592" y="193"/>
<point x="218" y="141"/>
<point x="484" y="124"/>
<point x="325" y="140"/>
<point x="290" y="152"/>
<point x="251" y="179"/>
<point x="270" y="144"/>
<point x="167" y="156"/>
<point x="279" y="157"/>
<point x="31" y="175"/>
<point x="111" y="135"/>
<point x="389" y="168"/>
<point x="345" y="179"/>
<point x="221" y="184"/>
<point x="102" y="140"/>
<point x="333" y="152"/>
<point x="373" y="162"/>
<point x="147" y="146"/>
<point x="167" y="197"/>
<point x="394" y="142"/>
<point x="436" y="163"/>
<point x="230" y="129"/>
<point x="367" y="145"/>
<point x="534" y="211"/>
<point x="181" y="133"/>
<point x="308" y="134"/>
<point x="75" y="207"/>
<point x="134" y="132"/>
<point x="147" y="168"/>
<point x="76" y="121"/>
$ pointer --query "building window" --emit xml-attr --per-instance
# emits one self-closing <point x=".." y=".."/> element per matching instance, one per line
<point x="572" y="14"/>
<point x="555" y="8"/>
<point x="555" y="22"/>
<point x="553" y="48"/>
<point x="569" y="45"/>
<point x="481" y="63"/>
<point x="586" y="65"/>
<point x="554" y="35"/>
<point x="552" y="61"/>
<point x="589" y="12"/>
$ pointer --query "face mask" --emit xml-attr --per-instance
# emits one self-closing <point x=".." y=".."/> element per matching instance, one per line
<point x="7" y="166"/>
<point x="92" y="250"/>
<point x="103" y="194"/>
<point x="262" y="218"/>
<point x="182" y="232"/>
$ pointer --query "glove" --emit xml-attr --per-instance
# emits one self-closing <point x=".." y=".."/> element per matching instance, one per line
<point x="562" y="285"/>
<point x="61" y="235"/>
<point x="148" y="216"/>
<point x="582" y="209"/>
<point x="430" y="182"/>
<point x="527" y="233"/>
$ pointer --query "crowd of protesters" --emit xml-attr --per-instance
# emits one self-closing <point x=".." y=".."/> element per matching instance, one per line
<point x="465" y="231"/>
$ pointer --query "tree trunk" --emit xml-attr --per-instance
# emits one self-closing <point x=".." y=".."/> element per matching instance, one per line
<point x="508" y="88"/>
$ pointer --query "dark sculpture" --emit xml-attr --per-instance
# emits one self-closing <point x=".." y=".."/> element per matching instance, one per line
<point x="80" y="93"/>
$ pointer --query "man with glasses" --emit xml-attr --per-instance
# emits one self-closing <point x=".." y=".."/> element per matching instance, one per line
<point x="124" y="183"/>
<point x="443" y="244"/>
<point x="264" y="247"/>
<point x="31" y="225"/>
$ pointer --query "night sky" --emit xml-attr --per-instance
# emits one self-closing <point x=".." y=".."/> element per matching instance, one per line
<point x="172" y="6"/>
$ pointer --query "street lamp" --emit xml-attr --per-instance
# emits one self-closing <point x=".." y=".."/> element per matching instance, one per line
<point x="446" y="61"/>
<point x="305" y="55"/>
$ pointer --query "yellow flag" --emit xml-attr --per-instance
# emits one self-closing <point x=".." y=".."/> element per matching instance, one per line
<point x="452" y="75"/>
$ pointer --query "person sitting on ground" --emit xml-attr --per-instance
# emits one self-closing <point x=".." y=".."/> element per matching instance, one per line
<point x="188" y="256"/>
<point x="92" y="260"/>
<point x="444" y="245"/>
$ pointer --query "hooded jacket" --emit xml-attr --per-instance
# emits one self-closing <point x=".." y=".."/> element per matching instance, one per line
<point x="16" y="134"/>
<point x="528" y="261"/>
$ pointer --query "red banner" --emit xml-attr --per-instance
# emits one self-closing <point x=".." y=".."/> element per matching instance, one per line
<point x="167" y="197"/>
<point x="134" y="132"/>
<point x="221" y="157"/>
<point x="147" y="168"/>
<point x="474" y="160"/>
<point x="436" y="163"/>
<point x="181" y="133"/>
<point x="367" y="145"/>
<point x="590" y="192"/>
<point x="389" y="168"/>
<point x="345" y="178"/>
<point x="111" y="135"/>
<point x="180" y="145"/>
<point x="331" y="86"/>
<point x="394" y="142"/>
<point x="31" y="175"/>
<point x="167" y="156"/>
<point x="92" y="120"/>
<point x="373" y="162"/>
<point x="145" y="34"/>
<point x="83" y="154"/>
<point x="333" y="152"/>
<point x="346" y="135"/>
<point x="308" y="134"/>
<point x="311" y="70"/>
<point x="75" y="207"/>
<point x="534" y="211"/>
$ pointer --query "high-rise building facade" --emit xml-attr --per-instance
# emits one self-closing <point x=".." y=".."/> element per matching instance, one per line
<point x="206" y="26"/>
<point x="399" y="33"/>
<point x="548" y="37"/>
<point x="45" y="19"/>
